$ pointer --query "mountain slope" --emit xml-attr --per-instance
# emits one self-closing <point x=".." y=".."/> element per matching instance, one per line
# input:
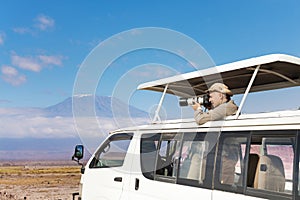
<point x="103" y="106"/>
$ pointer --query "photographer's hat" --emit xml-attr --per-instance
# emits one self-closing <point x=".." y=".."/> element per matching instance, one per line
<point x="220" y="87"/>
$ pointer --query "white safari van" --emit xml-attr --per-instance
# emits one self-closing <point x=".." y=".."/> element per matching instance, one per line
<point x="246" y="156"/>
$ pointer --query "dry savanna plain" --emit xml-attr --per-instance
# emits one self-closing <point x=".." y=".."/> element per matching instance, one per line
<point x="39" y="180"/>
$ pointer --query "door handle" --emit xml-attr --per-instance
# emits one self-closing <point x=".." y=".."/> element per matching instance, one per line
<point x="137" y="184"/>
<point x="118" y="179"/>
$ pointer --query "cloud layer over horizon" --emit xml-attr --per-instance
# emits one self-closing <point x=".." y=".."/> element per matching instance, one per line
<point x="30" y="122"/>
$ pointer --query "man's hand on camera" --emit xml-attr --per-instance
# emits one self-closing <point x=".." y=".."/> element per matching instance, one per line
<point x="196" y="106"/>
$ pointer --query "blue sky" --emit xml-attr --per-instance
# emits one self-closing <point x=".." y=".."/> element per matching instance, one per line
<point x="43" y="43"/>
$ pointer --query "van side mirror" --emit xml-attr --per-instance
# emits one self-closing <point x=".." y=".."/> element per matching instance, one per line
<point x="78" y="153"/>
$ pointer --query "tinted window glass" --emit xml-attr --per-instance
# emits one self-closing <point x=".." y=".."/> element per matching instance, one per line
<point x="112" y="153"/>
<point x="193" y="157"/>
<point x="148" y="153"/>
<point x="274" y="170"/>
<point x="168" y="155"/>
<point x="178" y="158"/>
<point x="231" y="159"/>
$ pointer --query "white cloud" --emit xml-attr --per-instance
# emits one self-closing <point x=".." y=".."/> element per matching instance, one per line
<point x="21" y="123"/>
<point x="32" y="123"/>
<point x="44" y="22"/>
<point x="9" y="71"/>
<point x="48" y="60"/>
<point x="2" y="36"/>
<point x="27" y="63"/>
<point x="41" y="23"/>
<point x="36" y="127"/>
<point x="154" y="71"/>
<point x="12" y="76"/>
<point x="36" y="63"/>
<point x="22" y="30"/>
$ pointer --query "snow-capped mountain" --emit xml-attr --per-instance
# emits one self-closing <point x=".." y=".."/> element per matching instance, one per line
<point x="88" y="105"/>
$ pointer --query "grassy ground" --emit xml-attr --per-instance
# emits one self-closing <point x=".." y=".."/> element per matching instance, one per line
<point x="38" y="182"/>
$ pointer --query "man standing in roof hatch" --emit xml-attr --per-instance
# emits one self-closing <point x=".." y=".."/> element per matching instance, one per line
<point x="222" y="105"/>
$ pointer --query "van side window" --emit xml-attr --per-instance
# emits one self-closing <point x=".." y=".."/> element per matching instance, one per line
<point x="231" y="160"/>
<point x="148" y="152"/>
<point x="113" y="151"/>
<point x="193" y="158"/>
<point x="274" y="168"/>
<point x="168" y="155"/>
<point x="182" y="158"/>
<point x="160" y="155"/>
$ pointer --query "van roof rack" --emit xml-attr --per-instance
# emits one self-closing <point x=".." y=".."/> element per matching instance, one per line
<point x="274" y="71"/>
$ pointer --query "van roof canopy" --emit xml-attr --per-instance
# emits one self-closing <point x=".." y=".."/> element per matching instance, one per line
<point x="274" y="71"/>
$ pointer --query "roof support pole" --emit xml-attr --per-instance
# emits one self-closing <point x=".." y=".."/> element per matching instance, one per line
<point x="156" y="116"/>
<point x="247" y="91"/>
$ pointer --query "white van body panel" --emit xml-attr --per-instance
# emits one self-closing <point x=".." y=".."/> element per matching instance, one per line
<point x="221" y="195"/>
<point x="154" y="190"/>
<point x="101" y="183"/>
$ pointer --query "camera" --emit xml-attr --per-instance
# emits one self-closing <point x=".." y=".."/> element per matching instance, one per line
<point x="203" y="100"/>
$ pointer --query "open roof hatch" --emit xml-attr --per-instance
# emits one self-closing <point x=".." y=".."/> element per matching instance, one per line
<point x="262" y="73"/>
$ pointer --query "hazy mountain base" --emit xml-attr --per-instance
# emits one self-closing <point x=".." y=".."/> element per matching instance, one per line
<point x="37" y="149"/>
<point x="36" y="180"/>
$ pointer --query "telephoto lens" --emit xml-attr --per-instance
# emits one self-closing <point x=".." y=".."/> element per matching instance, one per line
<point x="190" y="101"/>
<point x="204" y="100"/>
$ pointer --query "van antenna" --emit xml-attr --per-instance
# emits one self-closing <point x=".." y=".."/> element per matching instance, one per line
<point x="156" y="116"/>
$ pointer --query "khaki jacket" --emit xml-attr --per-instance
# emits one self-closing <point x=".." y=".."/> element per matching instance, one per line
<point x="218" y="113"/>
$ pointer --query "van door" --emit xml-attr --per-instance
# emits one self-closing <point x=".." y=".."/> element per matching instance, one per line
<point x="173" y="166"/>
<point x="108" y="169"/>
